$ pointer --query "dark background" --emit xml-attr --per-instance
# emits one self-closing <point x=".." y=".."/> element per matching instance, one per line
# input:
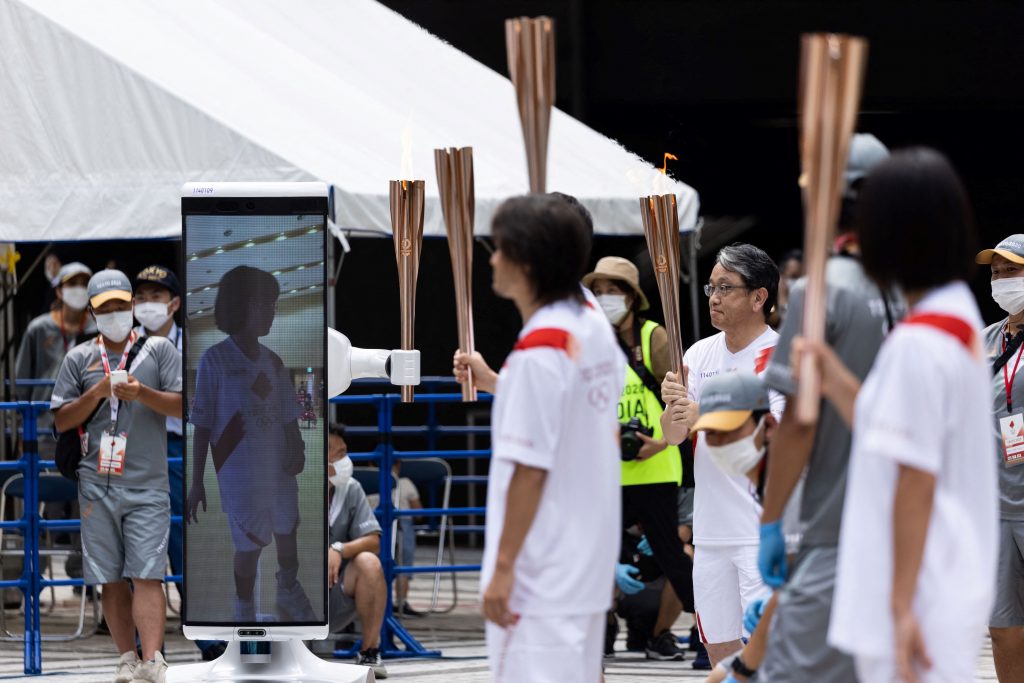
<point x="714" y="82"/>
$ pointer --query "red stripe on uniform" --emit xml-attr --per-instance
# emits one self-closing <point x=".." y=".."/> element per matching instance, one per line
<point x="700" y="629"/>
<point x="545" y="337"/>
<point x="761" y="362"/>
<point x="949" y="324"/>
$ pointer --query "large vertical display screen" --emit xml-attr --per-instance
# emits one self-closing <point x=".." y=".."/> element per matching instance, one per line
<point x="255" y="443"/>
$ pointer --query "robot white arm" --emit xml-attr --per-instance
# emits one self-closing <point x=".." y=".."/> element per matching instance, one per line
<point x="346" y="363"/>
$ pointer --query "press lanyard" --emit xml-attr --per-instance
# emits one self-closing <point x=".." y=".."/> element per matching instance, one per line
<point x="115" y="404"/>
<point x="1009" y="379"/>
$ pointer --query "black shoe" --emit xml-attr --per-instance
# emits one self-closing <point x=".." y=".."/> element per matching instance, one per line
<point x="611" y="632"/>
<point x="102" y="627"/>
<point x="702" y="662"/>
<point x="694" y="641"/>
<point x="663" y="647"/>
<point x="214" y="651"/>
<point x="408" y="611"/>
<point x="372" y="659"/>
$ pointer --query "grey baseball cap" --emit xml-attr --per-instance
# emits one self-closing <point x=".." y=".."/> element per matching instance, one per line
<point x="109" y="284"/>
<point x="1011" y="249"/>
<point x="727" y="401"/>
<point x="70" y="270"/>
<point x="866" y="152"/>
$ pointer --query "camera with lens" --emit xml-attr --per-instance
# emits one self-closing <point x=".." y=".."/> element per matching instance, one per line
<point x="629" y="439"/>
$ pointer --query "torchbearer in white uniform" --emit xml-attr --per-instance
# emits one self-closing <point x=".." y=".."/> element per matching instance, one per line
<point x="741" y="292"/>
<point x="553" y="500"/>
<point x="919" y="536"/>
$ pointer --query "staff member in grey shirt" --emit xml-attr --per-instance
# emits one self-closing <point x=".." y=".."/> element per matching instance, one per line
<point x="856" y="320"/>
<point x="47" y="340"/>
<point x="1004" y="349"/>
<point x="354" y="572"/>
<point x="123" y="473"/>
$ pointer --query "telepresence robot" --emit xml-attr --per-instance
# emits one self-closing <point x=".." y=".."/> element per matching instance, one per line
<point x="266" y="653"/>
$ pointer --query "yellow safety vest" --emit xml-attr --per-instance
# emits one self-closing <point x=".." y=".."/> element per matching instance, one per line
<point x="638" y="401"/>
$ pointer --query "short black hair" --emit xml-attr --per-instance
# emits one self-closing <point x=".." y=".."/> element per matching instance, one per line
<point x="755" y="268"/>
<point x="588" y="220"/>
<point x="548" y="237"/>
<point x="238" y="288"/>
<point x="791" y="255"/>
<point x="336" y="429"/>
<point x="914" y="222"/>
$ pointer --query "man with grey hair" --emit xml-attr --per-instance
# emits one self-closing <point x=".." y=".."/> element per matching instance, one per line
<point x="741" y="292"/>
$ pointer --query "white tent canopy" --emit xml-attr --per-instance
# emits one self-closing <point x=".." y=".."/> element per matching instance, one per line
<point x="108" y="106"/>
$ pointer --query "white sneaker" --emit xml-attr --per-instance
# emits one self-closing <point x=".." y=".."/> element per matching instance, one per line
<point x="126" y="666"/>
<point x="153" y="671"/>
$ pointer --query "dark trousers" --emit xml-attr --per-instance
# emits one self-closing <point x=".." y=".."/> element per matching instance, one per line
<point x="656" y="508"/>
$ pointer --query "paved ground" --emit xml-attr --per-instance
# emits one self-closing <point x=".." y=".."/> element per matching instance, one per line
<point x="459" y="636"/>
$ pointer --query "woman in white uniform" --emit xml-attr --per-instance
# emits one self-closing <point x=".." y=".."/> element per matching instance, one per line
<point x="921" y="497"/>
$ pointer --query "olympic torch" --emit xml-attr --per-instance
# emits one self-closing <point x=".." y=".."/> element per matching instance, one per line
<point x="455" y="185"/>
<point x="407" y="227"/>
<point x="530" y="44"/>
<point x="661" y="227"/>
<point x="831" y="77"/>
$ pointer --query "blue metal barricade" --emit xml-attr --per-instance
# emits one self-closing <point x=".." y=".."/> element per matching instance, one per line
<point x="384" y="455"/>
<point x="30" y="525"/>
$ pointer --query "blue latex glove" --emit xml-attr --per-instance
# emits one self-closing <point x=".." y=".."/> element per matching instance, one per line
<point x="624" y="574"/>
<point x="730" y="679"/>
<point x="752" y="615"/>
<point x="644" y="547"/>
<point x="771" y="555"/>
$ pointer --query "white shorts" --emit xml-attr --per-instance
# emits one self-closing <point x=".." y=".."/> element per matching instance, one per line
<point x="547" y="649"/>
<point x="725" y="581"/>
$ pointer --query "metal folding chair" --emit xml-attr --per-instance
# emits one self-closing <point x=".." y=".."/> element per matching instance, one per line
<point x="431" y="474"/>
<point x="53" y="488"/>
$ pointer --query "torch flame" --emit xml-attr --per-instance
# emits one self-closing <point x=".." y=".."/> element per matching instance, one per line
<point x="407" y="152"/>
<point x="664" y="162"/>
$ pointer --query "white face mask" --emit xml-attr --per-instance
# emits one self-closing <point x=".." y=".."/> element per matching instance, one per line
<point x="76" y="297"/>
<point x="738" y="457"/>
<point x="1009" y="294"/>
<point x="115" y="326"/>
<point x="614" y="307"/>
<point x="153" y="315"/>
<point x="342" y="473"/>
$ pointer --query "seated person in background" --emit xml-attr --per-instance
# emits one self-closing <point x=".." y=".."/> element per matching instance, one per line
<point x="354" y="572"/>
<point x="735" y="417"/>
<point x="408" y="499"/>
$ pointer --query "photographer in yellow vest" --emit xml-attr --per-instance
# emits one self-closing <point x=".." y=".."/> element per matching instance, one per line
<point x="652" y="470"/>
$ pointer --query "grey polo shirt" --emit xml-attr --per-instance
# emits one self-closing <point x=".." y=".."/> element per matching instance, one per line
<point x="40" y="354"/>
<point x="157" y="366"/>
<point x="855" y="325"/>
<point x="353" y="518"/>
<point x="1011" y="479"/>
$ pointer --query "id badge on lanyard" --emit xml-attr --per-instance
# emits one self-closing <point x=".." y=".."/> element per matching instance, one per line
<point x="113" y="444"/>
<point x="1011" y="427"/>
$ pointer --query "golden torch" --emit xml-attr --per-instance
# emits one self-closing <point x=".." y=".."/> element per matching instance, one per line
<point x="455" y="185"/>
<point x="661" y="227"/>
<point x="831" y="76"/>
<point x="407" y="226"/>
<point x="530" y="44"/>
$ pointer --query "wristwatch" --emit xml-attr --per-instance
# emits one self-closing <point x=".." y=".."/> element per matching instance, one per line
<point x="337" y="545"/>
<point x="742" y="669"/>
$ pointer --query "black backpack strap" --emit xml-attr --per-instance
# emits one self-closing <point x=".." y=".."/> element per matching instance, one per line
<point x="1011" y="348"/>
<point x="134" y="351"/>
<point x="635" y="358"/>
